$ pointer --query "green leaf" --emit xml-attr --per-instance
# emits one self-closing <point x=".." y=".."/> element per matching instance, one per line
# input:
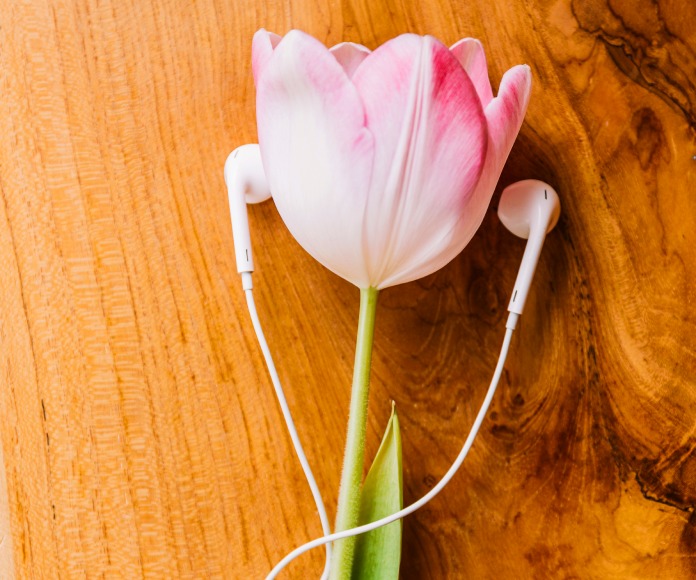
<point x="378" y="553"/>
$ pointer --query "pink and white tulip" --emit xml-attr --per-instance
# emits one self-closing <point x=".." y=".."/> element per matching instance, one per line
<point x="382" y="164"/>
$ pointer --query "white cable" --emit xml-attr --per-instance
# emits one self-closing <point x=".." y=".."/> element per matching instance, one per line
<point x="431" y="494"/>
<point x="326" y="529"/>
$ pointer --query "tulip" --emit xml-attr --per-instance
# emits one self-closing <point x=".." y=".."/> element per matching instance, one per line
<point x="382" y="165"/>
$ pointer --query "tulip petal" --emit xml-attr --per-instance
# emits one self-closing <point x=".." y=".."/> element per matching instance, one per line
<point x="504" y="114"/>
<point x="262" y="47"/>
<point x="349" y="55"/>
<point x="430" y="146"/>
<point x="470" y="54"/>
<point x="316" y="151"/>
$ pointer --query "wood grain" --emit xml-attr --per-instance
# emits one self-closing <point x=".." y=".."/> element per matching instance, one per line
<point x="140" y="435"/>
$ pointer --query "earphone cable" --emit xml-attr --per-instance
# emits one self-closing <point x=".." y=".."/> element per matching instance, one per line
<point x="433" y="492"/>
<point x="275" y="379"/>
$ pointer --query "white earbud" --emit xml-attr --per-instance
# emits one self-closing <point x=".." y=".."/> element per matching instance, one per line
<point x="529" y="209"/>
<point x="246" y="183"/>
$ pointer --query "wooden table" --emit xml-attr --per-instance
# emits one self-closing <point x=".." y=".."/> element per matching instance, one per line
<point x="140" y="434"/>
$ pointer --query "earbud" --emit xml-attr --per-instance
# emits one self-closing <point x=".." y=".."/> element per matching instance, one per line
<point x="246" y="183"/>
<point x="529" y="209"/>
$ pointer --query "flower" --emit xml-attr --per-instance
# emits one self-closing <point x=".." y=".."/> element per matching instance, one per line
<point x="382" y="164"/>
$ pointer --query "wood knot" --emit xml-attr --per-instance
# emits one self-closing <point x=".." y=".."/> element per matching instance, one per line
<point x="648" y="137"/>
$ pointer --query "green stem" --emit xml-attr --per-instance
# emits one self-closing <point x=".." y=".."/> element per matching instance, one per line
<point x="354" y="458"/>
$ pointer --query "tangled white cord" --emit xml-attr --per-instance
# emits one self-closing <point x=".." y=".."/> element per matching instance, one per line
<point x="327" y="538"/>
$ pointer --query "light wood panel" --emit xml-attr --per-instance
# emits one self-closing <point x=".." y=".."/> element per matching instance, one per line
<point x="140" y="436"/>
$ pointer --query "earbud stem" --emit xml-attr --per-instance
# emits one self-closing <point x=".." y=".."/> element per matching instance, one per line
<point x="240" y="225"/>
<point x="527" y="268"/>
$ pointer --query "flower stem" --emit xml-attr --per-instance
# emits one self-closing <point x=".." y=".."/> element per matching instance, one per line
<point x="354" y="458"/>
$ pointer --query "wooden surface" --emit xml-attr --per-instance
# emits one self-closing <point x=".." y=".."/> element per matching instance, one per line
<point x="140" y="435"/>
